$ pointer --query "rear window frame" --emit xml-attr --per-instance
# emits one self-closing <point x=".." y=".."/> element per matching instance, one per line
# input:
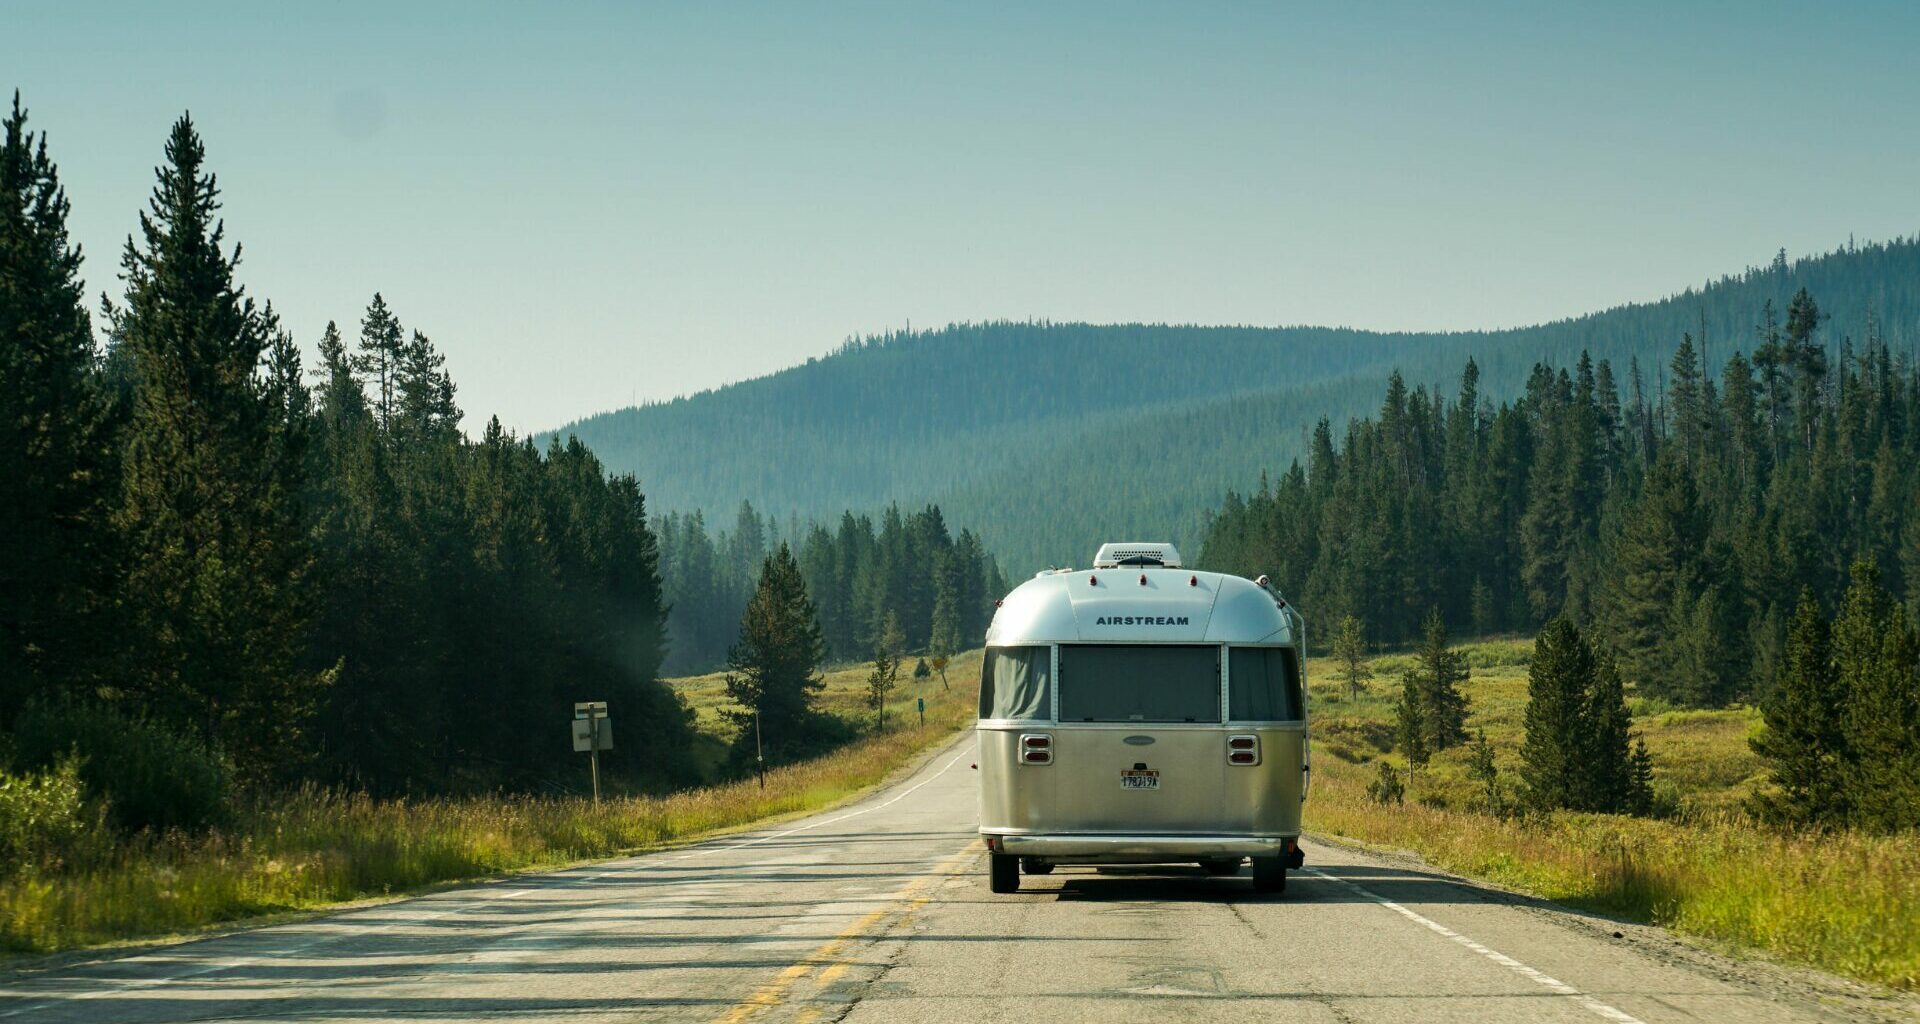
<point x="989" y="693"/>
<point x="1217" y="691"/>
<point x="1295" y="682"/>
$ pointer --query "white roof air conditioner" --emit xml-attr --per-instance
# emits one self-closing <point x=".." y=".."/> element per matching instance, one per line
<point x="1114" y="555"/>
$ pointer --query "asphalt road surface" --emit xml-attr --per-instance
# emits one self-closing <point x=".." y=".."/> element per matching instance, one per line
<point x="879" y="912"/>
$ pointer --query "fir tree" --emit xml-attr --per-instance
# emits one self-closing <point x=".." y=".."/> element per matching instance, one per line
<point x="1640" y="780"/>
<point x="57" y="548"/>
<point x="1655" y="567"/>
<point x="1411" y="728"/>
<point x="1874" y="666"/>
<point x="885" y="673"/>
<point x="1802" y="739"/>
<point x="378" y="362"/>
<point x="219" y="588"/>
<point x="773" y="671"/>
<point x="1551" y="756"/>
<point x="1350" y="652"/>
<point x="1482" y="769"/>
<point x="1606" y="754"/>
<point x="1436" y="677"/>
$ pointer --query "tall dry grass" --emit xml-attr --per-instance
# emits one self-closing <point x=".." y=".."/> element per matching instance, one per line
<point x="314" y="848"/>
<point x="1843" y="901"/>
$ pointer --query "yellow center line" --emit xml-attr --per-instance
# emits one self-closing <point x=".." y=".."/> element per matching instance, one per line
<point x="828" y="955"/>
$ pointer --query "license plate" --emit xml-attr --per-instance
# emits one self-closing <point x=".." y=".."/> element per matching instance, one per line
<point x="1137" y="779"/>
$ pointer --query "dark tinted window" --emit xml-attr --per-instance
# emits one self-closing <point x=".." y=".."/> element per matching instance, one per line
<point x="1014" y="683"/>
<point x="1139" y="683"/>
<point x="1263" y="684"/>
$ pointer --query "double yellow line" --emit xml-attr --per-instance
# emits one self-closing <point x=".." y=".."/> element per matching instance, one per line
<point x="829" y="958"/>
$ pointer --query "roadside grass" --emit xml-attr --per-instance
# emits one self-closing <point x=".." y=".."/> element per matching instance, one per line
<point x="1843" y="901"/>
<point x="314" y="848"/>
<point x="845" y="693"/>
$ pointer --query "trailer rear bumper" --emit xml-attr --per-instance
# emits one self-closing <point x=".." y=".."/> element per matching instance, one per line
<point x="1070" y="848"/>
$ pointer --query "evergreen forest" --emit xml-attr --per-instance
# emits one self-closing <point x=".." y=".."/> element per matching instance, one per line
<point x="1681" y="509"/>
<point x="229" y="570"/>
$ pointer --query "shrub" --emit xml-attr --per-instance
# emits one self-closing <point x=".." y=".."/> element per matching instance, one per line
<point x="920" y="669"/>
<point x="42" y="819"/>
<point x="1386" y="788"/>
<point x="148" y="776"/>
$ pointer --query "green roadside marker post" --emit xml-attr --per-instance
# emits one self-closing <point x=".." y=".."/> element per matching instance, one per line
<point x="921" y="702"/>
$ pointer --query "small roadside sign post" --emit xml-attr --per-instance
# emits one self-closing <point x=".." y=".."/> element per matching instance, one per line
<point x="759" y="758"/>
<point x="921" y="705"/>
<point x="592" y="733"/>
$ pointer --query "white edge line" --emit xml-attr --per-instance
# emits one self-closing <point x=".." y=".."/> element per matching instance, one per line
<point x="1538" y="977"/>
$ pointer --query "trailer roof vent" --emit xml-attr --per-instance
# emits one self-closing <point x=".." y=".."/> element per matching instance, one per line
<point x="1115" y="555"/>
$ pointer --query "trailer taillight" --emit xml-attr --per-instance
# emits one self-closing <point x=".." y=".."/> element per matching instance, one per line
<point x="1036" y="748"/>
<point x="1243" y="750"/>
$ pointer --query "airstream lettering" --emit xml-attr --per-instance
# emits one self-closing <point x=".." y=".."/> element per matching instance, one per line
<point x="1142" y="713"/>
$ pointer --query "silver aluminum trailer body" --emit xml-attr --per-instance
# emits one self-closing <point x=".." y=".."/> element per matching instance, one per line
<point x="1142" y="713"/>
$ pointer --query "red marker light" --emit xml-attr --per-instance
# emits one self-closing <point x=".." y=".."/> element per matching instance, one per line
<point x="1093" y="581"/>
<point x="1143" y="579"/>
<point x="1193" y="581"/>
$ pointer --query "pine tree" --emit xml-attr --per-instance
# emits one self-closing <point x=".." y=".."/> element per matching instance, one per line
<point x="1808" y="362"/>
<point x="1640" y="780"/>
<point x="944" y="632"/>
<point x="1410" y="722"/>
<point x="1350" y="652"/>
<point x="1874" y="665"/>
<point x="1802" y="739"/>
<point x="378" y="361"/>
<point x="886" y="669"/>
<point x="1655" y="566"/>
<point x="219" y="591"/>
<point x="1482" y="768"/>
<point x="57" y="547"/>
<point x="1437" y="677"/>
<point x="1606" y="755"/>
<point x="1551" y="767"/>
<point x="773" y="671"/>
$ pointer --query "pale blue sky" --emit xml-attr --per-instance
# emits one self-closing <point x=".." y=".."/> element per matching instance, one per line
<point x="584" y="204"/>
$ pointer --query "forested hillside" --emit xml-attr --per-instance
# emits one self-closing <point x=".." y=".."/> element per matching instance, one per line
<point x="1685" y="517"/>
<point x="1139" y="429"/>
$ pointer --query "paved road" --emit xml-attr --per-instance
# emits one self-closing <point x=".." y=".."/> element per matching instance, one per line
<point x="879" y="912"/>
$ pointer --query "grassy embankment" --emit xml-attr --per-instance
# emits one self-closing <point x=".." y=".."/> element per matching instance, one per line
<point x="1845" y="902"/>
<point x="313" y="849"/>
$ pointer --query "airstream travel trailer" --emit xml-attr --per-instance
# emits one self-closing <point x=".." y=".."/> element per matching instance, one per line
<point x="1142" y="713"/>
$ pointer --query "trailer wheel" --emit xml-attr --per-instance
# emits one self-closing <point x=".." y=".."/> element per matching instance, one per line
<point x="1221" y="866"/>
<point x="1035" y="866"/>
<point x="1269" y="874"/>
<point x="1003" y="872"/>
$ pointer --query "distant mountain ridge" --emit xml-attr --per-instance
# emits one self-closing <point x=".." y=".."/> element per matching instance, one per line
<point x="1048" y="438"/>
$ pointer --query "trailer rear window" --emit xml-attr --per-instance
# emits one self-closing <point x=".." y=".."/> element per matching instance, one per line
<point x="1139" y="683"/>
<point x="1263" y="684"/>
<point x="1014" y="683"/>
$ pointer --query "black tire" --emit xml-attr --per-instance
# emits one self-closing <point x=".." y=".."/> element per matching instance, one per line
<point x="1035" y="866"/>
<point x="1221" y="866"/>
<point x="1269" y="875"/>
<point x="1003" y="872"/>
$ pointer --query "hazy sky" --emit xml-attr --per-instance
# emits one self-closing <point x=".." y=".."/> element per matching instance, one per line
<point x="587" y="204"/>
